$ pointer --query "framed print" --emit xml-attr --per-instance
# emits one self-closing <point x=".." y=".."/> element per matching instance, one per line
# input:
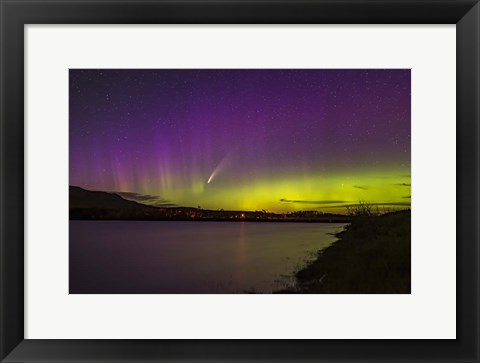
<point x="239" y="181"/>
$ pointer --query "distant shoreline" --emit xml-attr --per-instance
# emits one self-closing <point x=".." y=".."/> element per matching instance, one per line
<point x="333" y="220"/>
<point x="96" y="205"/>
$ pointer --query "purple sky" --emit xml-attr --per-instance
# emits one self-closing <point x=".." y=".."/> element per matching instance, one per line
<point x="166" y="133"/>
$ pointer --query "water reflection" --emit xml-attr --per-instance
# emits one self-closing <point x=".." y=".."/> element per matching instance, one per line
<point x="189" y="257"/>
<point x="241" y="255"/>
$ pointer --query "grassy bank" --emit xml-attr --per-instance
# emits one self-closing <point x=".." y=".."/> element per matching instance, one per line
<point x="371" y="256"/>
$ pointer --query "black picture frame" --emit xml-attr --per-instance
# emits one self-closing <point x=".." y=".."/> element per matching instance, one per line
<point x="16" y="13"/>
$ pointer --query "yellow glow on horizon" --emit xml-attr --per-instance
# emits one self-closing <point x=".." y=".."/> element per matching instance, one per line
<point x="327" y="193"/>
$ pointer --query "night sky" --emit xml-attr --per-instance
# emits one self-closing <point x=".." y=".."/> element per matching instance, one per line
<point x="278" y="140"/>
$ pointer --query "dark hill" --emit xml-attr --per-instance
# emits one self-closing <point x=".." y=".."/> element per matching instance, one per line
<point x="83" y="199"/>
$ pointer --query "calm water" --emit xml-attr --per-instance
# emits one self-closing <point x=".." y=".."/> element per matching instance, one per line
<point x="191" y="257"/>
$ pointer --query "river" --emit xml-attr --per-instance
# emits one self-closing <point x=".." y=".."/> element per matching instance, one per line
<point x="170" y="257"/>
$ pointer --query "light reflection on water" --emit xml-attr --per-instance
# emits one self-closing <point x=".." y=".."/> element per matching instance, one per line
<point x="191" y="257"/>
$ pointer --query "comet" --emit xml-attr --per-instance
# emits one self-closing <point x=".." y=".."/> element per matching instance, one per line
<point x="211" y="176"/>
<point x="218" y="168"/>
